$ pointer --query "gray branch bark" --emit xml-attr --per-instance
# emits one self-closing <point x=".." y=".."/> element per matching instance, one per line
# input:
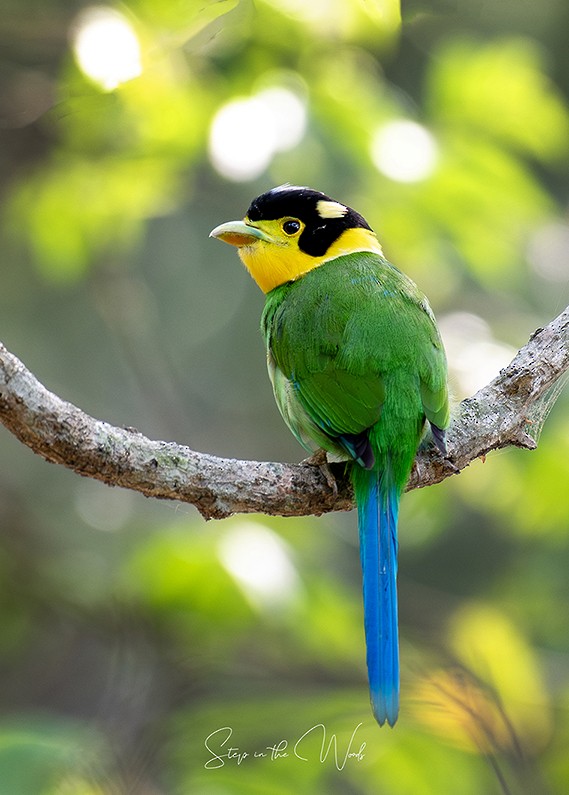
<point x="501" y="414"/>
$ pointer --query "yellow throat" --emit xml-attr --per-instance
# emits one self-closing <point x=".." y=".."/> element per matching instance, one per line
<point x="272" y="262"/>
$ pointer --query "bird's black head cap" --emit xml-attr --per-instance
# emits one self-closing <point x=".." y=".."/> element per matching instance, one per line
<point x="324" y="218"/>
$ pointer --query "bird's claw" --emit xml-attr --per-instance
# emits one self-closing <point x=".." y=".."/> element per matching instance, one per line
<point x="448" y="463"/>
<point x="319" y="459"/>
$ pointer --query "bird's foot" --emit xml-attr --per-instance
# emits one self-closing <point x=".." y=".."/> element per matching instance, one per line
<point x="449" y="464"/>
<point x="319" y="459"/>
<point x="438" y="440"/>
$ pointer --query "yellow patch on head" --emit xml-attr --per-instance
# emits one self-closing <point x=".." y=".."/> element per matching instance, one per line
<point x="330" y="209"/>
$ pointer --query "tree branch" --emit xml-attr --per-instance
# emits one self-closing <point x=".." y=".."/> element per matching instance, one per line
<point x="499" y="415"/>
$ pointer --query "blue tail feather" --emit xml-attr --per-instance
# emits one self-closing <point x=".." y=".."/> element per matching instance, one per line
<point x="378" y="506"/>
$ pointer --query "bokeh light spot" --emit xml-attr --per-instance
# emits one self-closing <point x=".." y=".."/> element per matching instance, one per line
<point x="404" y="151"/>
<point x="475" y="357"/>
<point x="246" y="133"/>
<point x="288" y="113"/>
<point x="548" y="252"/>
<point x="106" y="47"/>
<point x="260" y="562"/>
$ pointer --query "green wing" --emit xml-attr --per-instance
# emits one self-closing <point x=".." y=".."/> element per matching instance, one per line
<point x="352" y="339"/>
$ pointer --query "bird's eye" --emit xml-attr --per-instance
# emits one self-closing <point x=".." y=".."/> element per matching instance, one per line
<point x="291" y="227"/>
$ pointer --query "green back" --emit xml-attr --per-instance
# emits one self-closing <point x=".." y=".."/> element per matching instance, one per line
<point x="353" y="345"/>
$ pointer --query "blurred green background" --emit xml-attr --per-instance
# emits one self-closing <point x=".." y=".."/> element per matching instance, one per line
<point x="130" y="631"/>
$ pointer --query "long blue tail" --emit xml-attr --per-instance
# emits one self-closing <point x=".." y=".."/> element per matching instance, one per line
<point x="378" y="506"/>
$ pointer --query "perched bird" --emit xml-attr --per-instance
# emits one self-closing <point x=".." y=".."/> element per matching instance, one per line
<point x="357" y="367"/>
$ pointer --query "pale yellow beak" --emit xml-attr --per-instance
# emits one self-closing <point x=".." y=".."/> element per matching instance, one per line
<point x="239" y="233"/>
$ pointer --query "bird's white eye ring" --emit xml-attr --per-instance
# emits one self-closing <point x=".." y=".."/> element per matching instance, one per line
<point x="291" y="226"/>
